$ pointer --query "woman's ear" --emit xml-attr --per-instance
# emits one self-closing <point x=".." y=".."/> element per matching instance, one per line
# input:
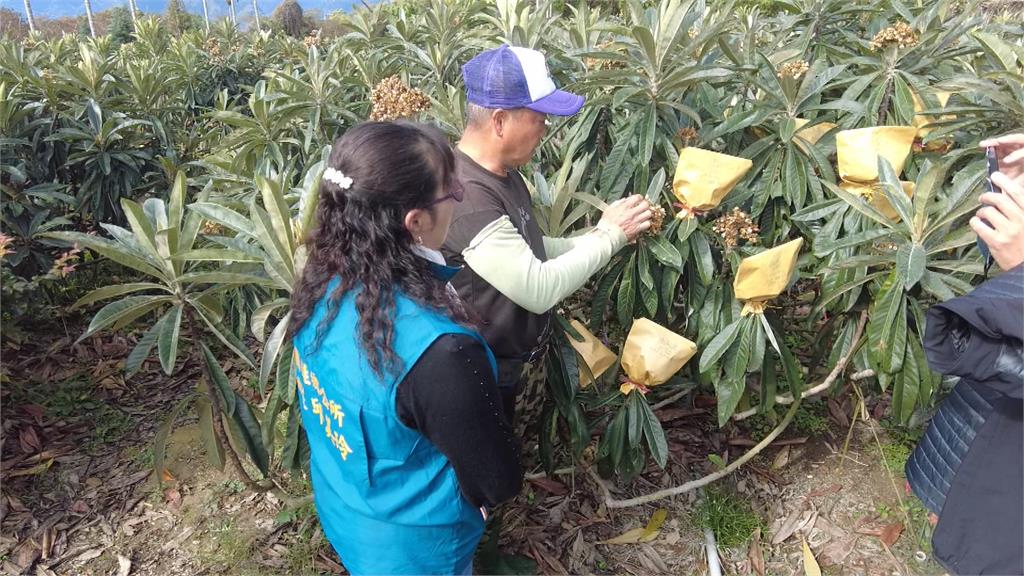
<point x="418" y="222"/>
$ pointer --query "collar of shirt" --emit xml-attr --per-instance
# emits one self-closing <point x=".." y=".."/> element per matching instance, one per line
<point x="438" y="266"/>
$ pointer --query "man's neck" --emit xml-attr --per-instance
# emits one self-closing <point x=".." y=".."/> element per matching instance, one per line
<point x="476" y="147"/>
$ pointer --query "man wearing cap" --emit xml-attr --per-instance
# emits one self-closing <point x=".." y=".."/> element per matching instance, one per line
<point x="513" y="274"/>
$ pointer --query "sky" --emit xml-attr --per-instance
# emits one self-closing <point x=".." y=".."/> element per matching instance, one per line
<point x="217" y="8"/>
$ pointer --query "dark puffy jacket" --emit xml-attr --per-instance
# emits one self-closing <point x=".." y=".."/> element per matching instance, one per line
<point x="969" y="466"/>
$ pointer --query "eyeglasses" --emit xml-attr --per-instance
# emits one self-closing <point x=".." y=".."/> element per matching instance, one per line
<point x="454" y="193"/>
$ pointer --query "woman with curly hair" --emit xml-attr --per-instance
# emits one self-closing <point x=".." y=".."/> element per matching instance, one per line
<point x="409" y="445"/>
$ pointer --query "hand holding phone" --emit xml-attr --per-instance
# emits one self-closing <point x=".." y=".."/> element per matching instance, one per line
<point x="993" y="167"/>
<point x="999" y="222"/>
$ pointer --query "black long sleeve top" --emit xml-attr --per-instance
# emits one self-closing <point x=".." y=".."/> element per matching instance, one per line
<point x="450" y="397"/>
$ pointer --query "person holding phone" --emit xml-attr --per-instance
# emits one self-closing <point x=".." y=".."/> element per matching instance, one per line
<point x="1000" y="222"/>
<point x="968" y="468"/>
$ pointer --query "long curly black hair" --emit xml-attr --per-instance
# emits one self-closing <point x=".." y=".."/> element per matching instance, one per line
<point x="360" y="236"/>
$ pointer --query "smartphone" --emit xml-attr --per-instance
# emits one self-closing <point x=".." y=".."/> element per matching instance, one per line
<point x="993" y="166"/>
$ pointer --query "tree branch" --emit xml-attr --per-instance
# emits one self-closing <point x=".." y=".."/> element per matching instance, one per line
<point x="827" y="383"/>
<point x="612" y="502"/>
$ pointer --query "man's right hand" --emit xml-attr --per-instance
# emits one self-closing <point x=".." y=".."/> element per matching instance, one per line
<point x="1010" y="153"/>
<point x="631" y="214"/>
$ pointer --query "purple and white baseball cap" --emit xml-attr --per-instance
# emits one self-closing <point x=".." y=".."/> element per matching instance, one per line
<point x="512" y="77"/>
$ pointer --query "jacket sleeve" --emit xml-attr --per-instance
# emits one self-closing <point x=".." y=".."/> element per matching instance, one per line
<point x="957" y="347"/>
<point x="501" y="256"/>
<point x="978" y="336"/>
<point x="451" y="398"/>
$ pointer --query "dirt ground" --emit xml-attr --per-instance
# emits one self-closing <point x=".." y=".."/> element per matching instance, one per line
<point x="79" y="496"/>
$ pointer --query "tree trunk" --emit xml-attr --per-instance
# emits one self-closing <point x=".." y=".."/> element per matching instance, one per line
<point x="234" y="17"/>
<point x="256" y="11"/>
<point x="206" y="17"/>
<point x="134" y="9"/>
<point x="28" y="16"/>
<point x="88" y="15"/>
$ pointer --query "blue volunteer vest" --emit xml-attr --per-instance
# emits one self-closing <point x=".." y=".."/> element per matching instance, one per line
<point x="388" y="500"/>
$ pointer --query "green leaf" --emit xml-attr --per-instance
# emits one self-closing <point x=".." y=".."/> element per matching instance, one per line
<point x="719" y="345"/>
<point x="126" y="309"/>
<point x="143" y="347"/>
<point x="654" y="435"/>
<point x="893" y="190"/>
<point x="644" y="268"/>
<point x="728" y="392"/>
<point x="230" y="278"/>
<point x="110" y="249"/>
<point x="627" y="293"/>
<point x="117" y="290"/>
<point x="647" y="131"/>
<point x="220" y="384"/>
<point x="272" y="349"/>
<point x="226" y="336"/>
<point x="910" y="264"/>
<point x="769" y="383"/>
<point x="170" y="334"/>
<point x="142" y="228"/>
<point x="702" y="256"/>
<point x="882" y="324"/>
<point x="247" y="429"/>
<point x="259" y="317"/>
<point x="824" y="246"/>
<point x="665" y="252"/>
<point x="634" y="421"/>
<point x="223" y="216"/>
<point x="294" y="453"/>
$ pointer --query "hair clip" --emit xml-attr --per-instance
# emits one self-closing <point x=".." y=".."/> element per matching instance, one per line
<point x="337" y="177"/>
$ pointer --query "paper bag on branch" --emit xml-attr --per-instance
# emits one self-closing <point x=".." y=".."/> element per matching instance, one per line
<point x="703" y="178"/>
<point x="764" y="276"/>
<point x="858" y="151"/>
<point x="875" y="196"/>
<point x="652" y="354"/>
<point x="813" y="133"/>
<point x="596" y="355"/>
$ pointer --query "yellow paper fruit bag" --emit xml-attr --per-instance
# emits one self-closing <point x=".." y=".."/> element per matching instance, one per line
<point x="876" y="197"/>
<point x="858" y="150"/>
<point x="703" y="178"/>
<point x="597" y="356"/>
<point x="764" y="276"/>
<point x="814" y="133"/>
<point x="652" y="354"/>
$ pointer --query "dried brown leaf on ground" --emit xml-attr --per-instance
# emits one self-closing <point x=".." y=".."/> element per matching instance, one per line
<point x="551" y="486"/>
<point x="755" y="555"/>
<point x="888" y="533"/>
